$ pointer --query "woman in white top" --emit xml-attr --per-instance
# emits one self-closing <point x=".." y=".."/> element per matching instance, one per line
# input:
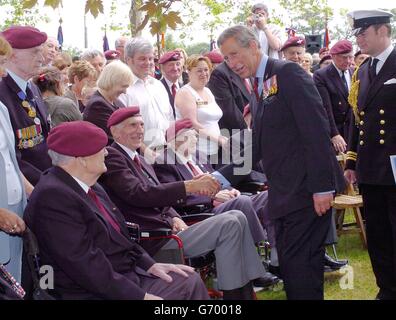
<point x="196" y="102"/>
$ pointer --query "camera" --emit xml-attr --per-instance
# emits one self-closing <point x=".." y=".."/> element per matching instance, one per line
<point x="256" y="17"/>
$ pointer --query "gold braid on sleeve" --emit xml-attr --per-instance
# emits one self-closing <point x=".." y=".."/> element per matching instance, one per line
<point x="354" y="94"/>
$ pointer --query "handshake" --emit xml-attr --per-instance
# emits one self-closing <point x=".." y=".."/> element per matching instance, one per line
<point x="204" y="184"/>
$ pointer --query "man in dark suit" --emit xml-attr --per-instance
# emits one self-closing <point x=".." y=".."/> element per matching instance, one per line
<point x="25" y="105"/>
<point x="171" y="68"/>
<point x="292" y="138"/>
<point x="82" y="236"/>
<point x="334" y="83"/>
<point x="231" y="94"/>
<point x="372" y="142"/>
<point x="133" y="186"/>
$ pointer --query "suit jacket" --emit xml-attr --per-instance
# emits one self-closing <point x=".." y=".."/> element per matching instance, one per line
<point x="373" y="139"/>
<point x="335" y="99"/>
<point x="91" y="260"/>
<point x="32" y="157"/>
<point x="140" y="196"/>
<point x="5" y="253"/>
<point x="291" y="136"/>
<point x="231" y="95"/>
<point x="98" y="110"/>
<point x="171" y="98"/>
<point x="168" y="168"/>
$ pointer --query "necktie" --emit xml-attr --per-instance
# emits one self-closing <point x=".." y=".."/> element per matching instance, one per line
<point x="255" y="88"/>
<point x="103" y="210"/>
<point x="137" y="162"/>
<point x="344" y="81"/>
<point x="12" y="282"/>
<point x="174" y="90"/>
<point x="192" y="168"/>
<point x="30" y="96"/>
<point x="373" y="69"/>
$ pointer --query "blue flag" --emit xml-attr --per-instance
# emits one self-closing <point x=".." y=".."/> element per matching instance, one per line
<point x="60" y="37"/>
<point x="105" y="43"/>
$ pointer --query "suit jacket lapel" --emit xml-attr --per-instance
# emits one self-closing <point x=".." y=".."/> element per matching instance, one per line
<point x="387" y="72"/>
<point x="240" y="83"/>
<point x="364" y="85"/>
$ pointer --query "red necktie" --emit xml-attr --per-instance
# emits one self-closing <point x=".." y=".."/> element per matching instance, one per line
<point x="255" y="89"/>
<point x="174" y="90"/>
<point x="12" y="282"/>
<point x="137" y="162"/>
<point x="103" y="210"/>
<point x="192" y="168"/>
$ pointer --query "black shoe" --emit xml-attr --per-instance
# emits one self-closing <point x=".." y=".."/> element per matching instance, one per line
<point x="334" y="264"/>
<point x="275" y="270"/>
<point x="266" y="281"/>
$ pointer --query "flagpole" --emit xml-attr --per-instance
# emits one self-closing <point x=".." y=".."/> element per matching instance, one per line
<point x="85" y="31"/>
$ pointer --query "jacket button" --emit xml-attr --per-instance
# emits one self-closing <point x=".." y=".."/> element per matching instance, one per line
<point x="362" y="113"/>
<point x="361" y="133"/>
<point x="361" y="123"/>
<point x="382" y="132"/>
<point x="382" y="122"/>
<point x="361" y="143"/>
<point x="382" y="111"/>
<point x="382" y="141"/>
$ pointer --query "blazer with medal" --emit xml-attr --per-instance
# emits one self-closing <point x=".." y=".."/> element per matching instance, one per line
<point x="291" y="135"/>
<point x="373" y="133"/>
<point x="30" y="126"/>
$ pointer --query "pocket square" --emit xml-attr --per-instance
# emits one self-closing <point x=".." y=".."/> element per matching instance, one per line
<point x="390" y="81"/>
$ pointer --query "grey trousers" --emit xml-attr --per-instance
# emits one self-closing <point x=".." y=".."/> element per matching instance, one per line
<point x="228" y="235"/>
<point x="250" y="209"/>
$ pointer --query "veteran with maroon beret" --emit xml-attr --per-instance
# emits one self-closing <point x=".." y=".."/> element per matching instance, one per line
<point x="293" y="49"/>
<point x="334" y="83"/>
<point x="171" y="68"/>
<point x="111" y="55"/>
<point x="27" y="110"/>
<point x="82" y="234"/>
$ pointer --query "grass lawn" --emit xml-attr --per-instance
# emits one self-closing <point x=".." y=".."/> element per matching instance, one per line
<point x="362" y="286"/>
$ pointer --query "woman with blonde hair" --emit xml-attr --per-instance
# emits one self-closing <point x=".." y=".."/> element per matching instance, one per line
<point x="114" y="80"/>
<point x="196" y="102"/>
<point x="306" y="63"/>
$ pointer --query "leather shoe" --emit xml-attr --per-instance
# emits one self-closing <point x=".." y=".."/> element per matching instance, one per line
<point x="334" y="264"/>
<point x="266" y="281"/>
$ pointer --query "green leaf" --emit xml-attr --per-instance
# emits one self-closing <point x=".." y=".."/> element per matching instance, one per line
<point x="94" y="7"/>
<point x="150" y="7"/>
<point x="29" y="4"/>
<point x="53" y="3"/>
<point x="155" y="27"/>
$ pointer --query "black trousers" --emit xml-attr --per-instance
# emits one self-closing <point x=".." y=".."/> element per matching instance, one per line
<point x="300" y="240"/>
<point x="380" y="214"/>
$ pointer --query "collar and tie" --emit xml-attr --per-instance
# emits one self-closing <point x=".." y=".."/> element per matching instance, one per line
<point x="137" y="162"/>
<point x="174" y="89"/>
<point x="344" y="80"/>
<point x="373" y="68"/>
<point x="193" y="168"/>
<point x="103" y="210"/>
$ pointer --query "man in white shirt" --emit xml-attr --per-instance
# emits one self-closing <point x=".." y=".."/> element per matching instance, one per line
<point x="270" y="36"/>
<point x="147" y="93"/>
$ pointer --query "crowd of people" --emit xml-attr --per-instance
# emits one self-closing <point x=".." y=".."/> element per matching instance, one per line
<point x="89" y="143"/>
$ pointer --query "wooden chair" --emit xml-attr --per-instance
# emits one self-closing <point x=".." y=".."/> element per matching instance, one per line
<point x="352" y="201"/>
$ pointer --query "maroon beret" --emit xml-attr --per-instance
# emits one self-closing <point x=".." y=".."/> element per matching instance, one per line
<point x="326" y="57"/>
<point x="214" y="56"/>
<point x="24" y="37"/>
<point x="294" y="42"/>
<point x="170" y="56"/>
<point x="176" y="127"/>
<point x="121" y="114"/>
<point x="112" y="54"/>
<point x="77" y="139"/>
<point x="341" y="47"/>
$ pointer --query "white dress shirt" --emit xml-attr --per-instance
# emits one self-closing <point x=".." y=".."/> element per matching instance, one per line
<point x="382" y="57"/>
<point x="157" y="113"/>
<point x="347" y="76"/>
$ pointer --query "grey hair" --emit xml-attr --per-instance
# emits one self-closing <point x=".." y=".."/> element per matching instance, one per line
<point x="242" y="34"/>
<point x="59" y="159"/>
<point x="260" y="6"/>
<point x="137" y="45"/>
<point x="91" y="54"/>
<point x="119" y="41"/>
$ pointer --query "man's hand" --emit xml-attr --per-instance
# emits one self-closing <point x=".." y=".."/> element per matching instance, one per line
<point x="322" y="203"/>
<point x="10" y="222"/>
<point x="339" y="143"/>
<point x="204" y="184"/>
<point x="161" y="270"/>
<point x="350" y="176"/>
<point x="178" y="225"/>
